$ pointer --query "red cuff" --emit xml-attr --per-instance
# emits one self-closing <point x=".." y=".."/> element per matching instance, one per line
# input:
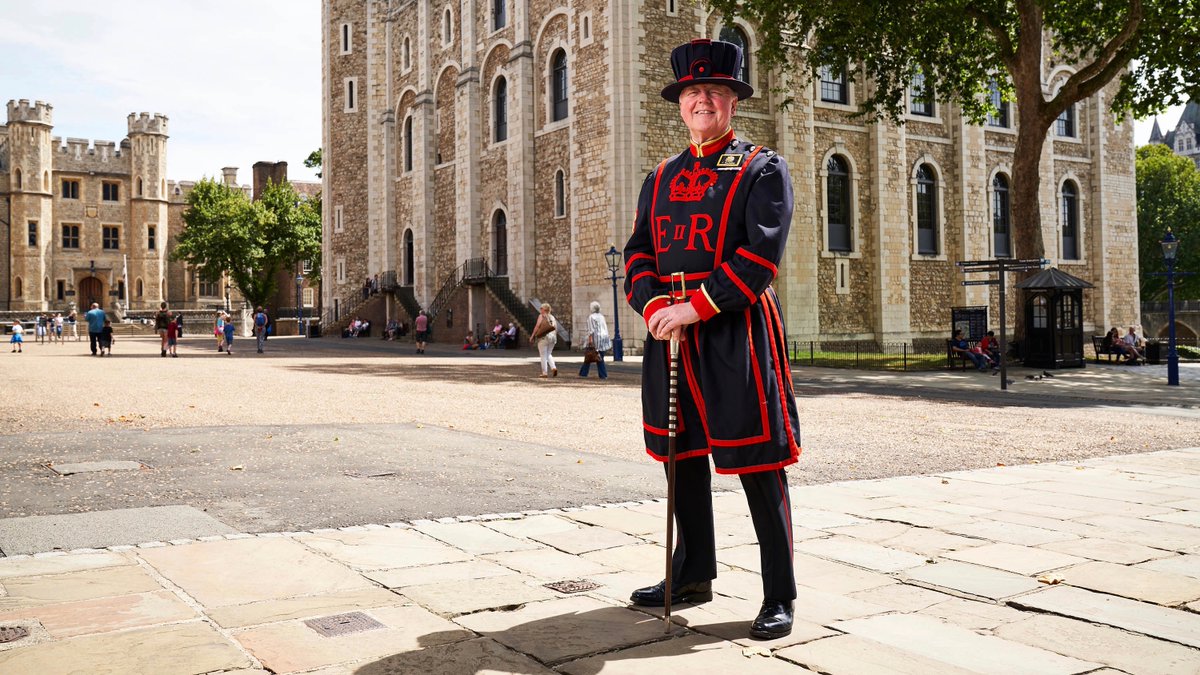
<point x="656" y="303"/>
<point x="704" y="305"/>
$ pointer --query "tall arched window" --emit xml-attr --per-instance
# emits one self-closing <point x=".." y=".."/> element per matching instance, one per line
<point x="927" y="211"/>
<point x="558" y="86"/>
<point x="141" y="288"/>
<point x="500" y="243"/>
<point x="1001" y="218"/>
<point x="17" y="178"/>
<point x="837" y="199"/>
<point x="141" y="190"/>
<point x="499" y="14"/>
<point x="408" y="143"/>
<point x="447" y="28"/>
<point x="407" y="53"/>
<point x="500" y="110"/>
<point x="1070" y="221"/>
<point x="560" y="193"/>
<point x="409" y="265"/>
<point x="735" y="35"/>
<point x="18" y="288"/>
<point x="45" y="181"/>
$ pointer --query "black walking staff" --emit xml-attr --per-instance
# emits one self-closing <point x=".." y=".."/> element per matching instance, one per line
<point x="672" y="422"/>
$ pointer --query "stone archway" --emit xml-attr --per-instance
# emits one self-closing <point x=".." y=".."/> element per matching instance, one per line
<point x="89" y="290"/>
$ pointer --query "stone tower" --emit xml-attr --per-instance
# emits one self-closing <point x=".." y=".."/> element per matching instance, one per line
<point x="148" y="204"/>
<point x="31" y="192"/>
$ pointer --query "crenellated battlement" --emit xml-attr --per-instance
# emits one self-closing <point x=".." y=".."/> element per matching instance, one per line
<point x="144" y="123"/>
<point x="82" y="147"/>
<point x="39" y="112"/>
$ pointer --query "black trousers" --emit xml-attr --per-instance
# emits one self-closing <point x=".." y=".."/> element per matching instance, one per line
<point x="94" y="340"/>
<point x="695" y="557"/>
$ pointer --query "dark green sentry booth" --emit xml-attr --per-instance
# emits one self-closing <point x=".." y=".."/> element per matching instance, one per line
<point x="1053" y="319"/>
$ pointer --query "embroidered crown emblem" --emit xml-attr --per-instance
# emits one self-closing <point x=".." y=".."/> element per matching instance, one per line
<point x="690" y="185"/>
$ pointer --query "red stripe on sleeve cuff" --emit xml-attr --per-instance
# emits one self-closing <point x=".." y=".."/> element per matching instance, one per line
<point x="656" y="303"/>
<point x="704" y="305"/>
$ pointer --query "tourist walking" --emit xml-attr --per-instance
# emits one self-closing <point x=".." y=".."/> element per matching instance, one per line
<point x="18" y="338"/>
<point x="545" y="334"/>
<point x="161" y="319"/>
<point x="260" y="328"/>
<point x="597" y="341"/>
<point x="227" y="331"/>
<point x="95" y="318"/>
<point x="422" y="327"/>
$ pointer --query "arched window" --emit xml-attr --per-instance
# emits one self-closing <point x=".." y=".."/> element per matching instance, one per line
<point x="407" y="53"/>
<point x="558" y="86"/>
<point x="18" y="288"/>
<point x="737" y="36"/>
<point x="447" y="28"/>
<point x="408" y="144"/>
<point x="1070" y="221"/>
<point x="499" y="14"/>
<point x="500" y="110"/>
<point x="500" y="243"/>
<point x="17" y="178"/>
<point x="141" y="288"/>
<point x="1001" y="218"/>
<point x="927" y="211"/>
<point x="140" y="191"/>
<point x="45" y="181"/>
<point x="837" y="199"/>
<point x="560" y="193"/>
<point x="409" y="265"/>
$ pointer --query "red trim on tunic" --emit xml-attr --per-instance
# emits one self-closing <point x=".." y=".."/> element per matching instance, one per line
<point x="729" y="204"/>
<point x="701" y="150"/>
<point x="656" y="304"/>
<point x="704" y="305"/>
<point x="634" y="257"/>
<point x="758" y="259"/>
<point x="639" y="275"/>
<point x="680" y="455"/>
<point x="654" y="207"/>
<point x="773" y="318"/>
<point x="760" y="467"/>
<point x="762" y="394"/>
<point x="695" y="390"/>
<point x="737" y="281"/>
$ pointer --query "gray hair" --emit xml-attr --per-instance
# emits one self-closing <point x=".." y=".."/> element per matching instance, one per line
<point x="595" y="307"/>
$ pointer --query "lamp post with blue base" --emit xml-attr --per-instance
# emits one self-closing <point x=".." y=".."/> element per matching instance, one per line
<point x="614" y="263"/>
<point x="1170" y="246"/>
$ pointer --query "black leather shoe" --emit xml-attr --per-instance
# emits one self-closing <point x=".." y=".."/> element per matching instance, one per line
<point x="693" y="593"/>
<point x="774" y="620"/>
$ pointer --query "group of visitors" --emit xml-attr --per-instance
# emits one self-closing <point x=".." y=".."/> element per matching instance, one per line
<point x="985" y="355"/>
<point x="100" y="332"/>
<point x="357" y="328"/>
<point x="497" y="338"/>
<point x="394" y="329"/>
<point x="370" y="286"/>
<point x="1130" y="346"/>
<point x="49" y="327"/>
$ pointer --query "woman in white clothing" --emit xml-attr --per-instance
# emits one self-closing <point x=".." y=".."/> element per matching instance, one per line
<point x="598" y="339"/>
<point x="545" y="331"/>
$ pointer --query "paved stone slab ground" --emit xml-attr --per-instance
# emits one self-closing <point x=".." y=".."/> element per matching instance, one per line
<point x="467" y="595"/>
<point x="87" y="467"/>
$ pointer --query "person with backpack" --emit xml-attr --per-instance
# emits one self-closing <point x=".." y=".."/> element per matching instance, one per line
<point x="161" y="319"/>
<point x="260" y="328"/>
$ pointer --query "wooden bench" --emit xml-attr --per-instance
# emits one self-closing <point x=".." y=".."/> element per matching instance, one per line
<point x="1098" y="345"/>
<point x="963" y="361"/>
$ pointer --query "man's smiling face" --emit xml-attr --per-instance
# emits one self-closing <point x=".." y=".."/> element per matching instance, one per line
<point x="706" y="110"/>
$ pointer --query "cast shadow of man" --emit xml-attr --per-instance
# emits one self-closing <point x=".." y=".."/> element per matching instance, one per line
<point x="579" y="643"/>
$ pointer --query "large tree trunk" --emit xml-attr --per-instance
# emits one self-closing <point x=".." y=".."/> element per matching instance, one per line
<point x="1026" y="229"/>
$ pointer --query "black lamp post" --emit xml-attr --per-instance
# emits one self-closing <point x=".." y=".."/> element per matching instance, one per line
<point x="1170" y="246"/>
<point x="227" y="307"/>
<point x="299" y="304"/>
<point x="614" y="263"/>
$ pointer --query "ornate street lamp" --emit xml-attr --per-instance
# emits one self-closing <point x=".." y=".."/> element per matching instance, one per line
<point x="614" y="263"/>
<point x="1170" y="246"/>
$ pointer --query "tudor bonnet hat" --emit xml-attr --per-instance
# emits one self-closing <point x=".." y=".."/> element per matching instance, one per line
<point x="707" y="61"/>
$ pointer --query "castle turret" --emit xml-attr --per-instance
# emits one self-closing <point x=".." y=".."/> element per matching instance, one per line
<point x="30" y="167"/>
<point x="148" y="205"/>
<point x="1156" y="135"/>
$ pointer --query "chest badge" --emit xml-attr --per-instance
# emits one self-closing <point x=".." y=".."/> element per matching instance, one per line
<point x="690" y="185"/>
<point x="730" y="160"/>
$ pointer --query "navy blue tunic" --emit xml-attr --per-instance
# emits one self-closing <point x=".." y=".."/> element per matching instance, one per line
<point x="720" y="213"/>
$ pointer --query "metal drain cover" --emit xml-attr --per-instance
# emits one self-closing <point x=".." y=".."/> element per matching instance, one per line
<point x="12" y="634"/>
<point x="572" y="586"/>
<point x="343" y="624"/>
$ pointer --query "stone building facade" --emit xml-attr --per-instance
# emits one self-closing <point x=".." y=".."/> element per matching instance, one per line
<point x="519" y="132"/>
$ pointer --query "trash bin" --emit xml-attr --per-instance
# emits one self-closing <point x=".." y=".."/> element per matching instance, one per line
<point x="1154" y="352"/>
<point x="314" y="330"/>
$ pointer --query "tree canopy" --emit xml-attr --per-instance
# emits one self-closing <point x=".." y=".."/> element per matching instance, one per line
<point x="314" y="161"/>
<point x="962" y="46"/>
<point x="252" y="241"/>
<point x="1168" y="194"/>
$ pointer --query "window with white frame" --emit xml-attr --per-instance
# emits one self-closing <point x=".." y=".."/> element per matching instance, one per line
<point x="310" y="297"/>
<point x="337" y="219"/>
<point x="447" y="27"/>
<point x="500" y="111"/>
<point x="920" y="97"/>
<point x="1070" y="221"/>
<point x="340" y="266"/>
<point x="346" y="36"/>
<point x="734" y="34"/>
<point x="838" y="214"/>
<point x="558" y="85"/>
<point x="927" y="210"/>
<point x="1064" y="125"/>
<point x="1001" y="218"/>
<point x="499" y="14"/>
<point x="833" y="85"/>
<point x="999" y="118"/>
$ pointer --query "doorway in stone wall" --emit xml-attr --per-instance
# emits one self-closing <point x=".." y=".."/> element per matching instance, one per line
<point x="90" y="289"/>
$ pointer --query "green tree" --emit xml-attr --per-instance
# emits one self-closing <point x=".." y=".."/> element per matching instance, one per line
<point x="1168" y="195"/>
<point x="314" y="161"/>
<point x="252" y="241"/>
<point x="962" y="46"/>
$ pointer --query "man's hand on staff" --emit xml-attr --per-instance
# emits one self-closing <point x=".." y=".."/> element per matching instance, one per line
<point x="669" y="322"/>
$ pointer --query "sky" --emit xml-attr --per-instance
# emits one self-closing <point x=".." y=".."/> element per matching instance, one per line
<point x="239" y="81"/>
